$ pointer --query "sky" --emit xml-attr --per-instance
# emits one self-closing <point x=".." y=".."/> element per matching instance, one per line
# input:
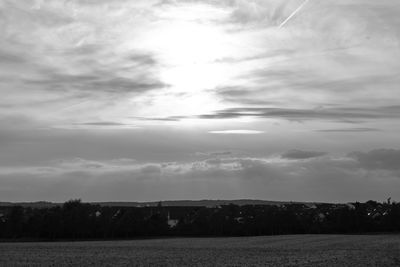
<point x="147" y="100"/>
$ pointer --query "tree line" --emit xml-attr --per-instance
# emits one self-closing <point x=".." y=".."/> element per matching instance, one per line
<point x="77" y="220"/>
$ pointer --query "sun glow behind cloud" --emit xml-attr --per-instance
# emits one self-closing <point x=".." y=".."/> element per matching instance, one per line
<point x="188" y="47"/>
<point x="236" y="132"/>
<point x="115" y="61"/>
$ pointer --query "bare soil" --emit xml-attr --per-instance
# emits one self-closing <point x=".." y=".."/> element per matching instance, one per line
<point x="291" y="250"/>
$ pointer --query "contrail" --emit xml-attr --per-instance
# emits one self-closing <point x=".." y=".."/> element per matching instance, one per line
<point x="294" y="13"/>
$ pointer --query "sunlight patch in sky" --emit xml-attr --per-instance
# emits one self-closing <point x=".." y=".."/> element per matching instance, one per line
<point x="236" y="132"/>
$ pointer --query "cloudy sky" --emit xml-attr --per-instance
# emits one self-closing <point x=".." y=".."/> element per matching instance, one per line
<point x="109" y="100"/>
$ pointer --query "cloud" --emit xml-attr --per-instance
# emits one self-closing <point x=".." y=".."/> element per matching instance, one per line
<point x="103" y="123"/>
<point x="95" y="82"/>
<point x="80" y="165"/>
<point x="379" y="159"/>
<point x="301" y="154"/>
<point x="237" y="132"/>
<point x="151" y="169"/>
<point x="66" y="55"/>
<point x="96" y="125"/>
<point x="99" y="55"/>
<point x="214" y="153"/>
<point x="10" y="58"/>
<point x="358" y="176"/>
<point x="349" y="130"/>
<point x="318" y="113"/>
<point x="172" y="118"/>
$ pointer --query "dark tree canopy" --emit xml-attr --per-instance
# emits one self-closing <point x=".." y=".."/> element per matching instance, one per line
<point x="77" y="220"/>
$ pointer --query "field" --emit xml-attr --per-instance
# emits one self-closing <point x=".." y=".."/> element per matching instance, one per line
<point x="294" y="250"/>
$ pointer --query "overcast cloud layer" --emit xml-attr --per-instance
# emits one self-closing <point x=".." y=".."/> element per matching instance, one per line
<point x="149" y="100"/>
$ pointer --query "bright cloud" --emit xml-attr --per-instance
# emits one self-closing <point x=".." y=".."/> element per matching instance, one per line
<point x="237" y="132"/>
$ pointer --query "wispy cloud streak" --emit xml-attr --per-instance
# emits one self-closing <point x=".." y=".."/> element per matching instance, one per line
<point x="293" y="14"/>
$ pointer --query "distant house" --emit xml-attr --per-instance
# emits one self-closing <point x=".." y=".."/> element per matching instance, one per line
<point x="239" y="219"/>
<point x="320" y="217"/>
<point x="171" y="222"/>
<point x="116" y="214"/>
<point x="376" y="215"/>
<point x="310" y="206"/>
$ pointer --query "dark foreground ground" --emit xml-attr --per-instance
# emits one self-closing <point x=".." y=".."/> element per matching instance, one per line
<point x="295" y="250"/>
